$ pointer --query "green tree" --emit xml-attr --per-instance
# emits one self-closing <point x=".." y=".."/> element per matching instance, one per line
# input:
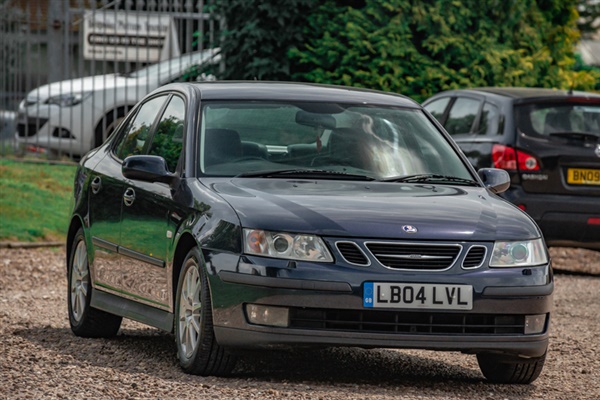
<point x="421" y="47"/>
<point x="258" y="35"/>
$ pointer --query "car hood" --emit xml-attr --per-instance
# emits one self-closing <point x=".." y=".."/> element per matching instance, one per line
<point x="374" y="209"/>
<point x="89" y="84"/>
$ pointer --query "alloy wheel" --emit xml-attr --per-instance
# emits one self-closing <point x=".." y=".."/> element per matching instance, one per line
<point x="190" y="308"/>
<point x="79" y="281"/>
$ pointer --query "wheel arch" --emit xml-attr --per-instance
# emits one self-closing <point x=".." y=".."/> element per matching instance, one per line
<point x="105" y="118"/>
<point x="74" y="226"/>
<point x="184" y="245"/>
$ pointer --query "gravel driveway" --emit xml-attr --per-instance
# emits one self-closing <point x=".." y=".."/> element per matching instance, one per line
<point x="41" y="358"/>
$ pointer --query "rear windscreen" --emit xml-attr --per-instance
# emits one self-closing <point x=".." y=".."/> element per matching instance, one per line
<point x="546" y="119"/>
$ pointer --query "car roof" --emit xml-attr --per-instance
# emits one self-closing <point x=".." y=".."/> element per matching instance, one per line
<point x="295" y="91"/>
<point x="525" y="94"/>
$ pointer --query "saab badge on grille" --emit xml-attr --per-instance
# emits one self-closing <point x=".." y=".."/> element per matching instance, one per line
<point x="409" y="229"/>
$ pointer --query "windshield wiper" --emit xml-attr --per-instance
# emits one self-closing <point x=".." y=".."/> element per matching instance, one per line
<point x="303" y="173"/>
<point x="420" y="178"/>
<point x="577" y="135"/>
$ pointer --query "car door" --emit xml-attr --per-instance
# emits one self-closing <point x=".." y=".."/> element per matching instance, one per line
<point x="104" y="217"/>
<point x="146" y="231"/>
<point x="106" y="198"/>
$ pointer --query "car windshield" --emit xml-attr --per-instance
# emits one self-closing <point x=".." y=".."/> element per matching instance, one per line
<point x="551" y="119"/>
<point x="328" y="140"/>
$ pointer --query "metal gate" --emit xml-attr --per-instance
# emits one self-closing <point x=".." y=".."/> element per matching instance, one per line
<point x="71" y="69"/>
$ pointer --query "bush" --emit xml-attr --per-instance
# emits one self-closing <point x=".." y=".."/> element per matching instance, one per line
<point x="258" y="36"/>
<point x="420" y="48"/>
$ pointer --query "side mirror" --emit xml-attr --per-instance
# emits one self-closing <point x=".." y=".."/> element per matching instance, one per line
<point x="147" y="168"/>
<point x="495" y="179"/>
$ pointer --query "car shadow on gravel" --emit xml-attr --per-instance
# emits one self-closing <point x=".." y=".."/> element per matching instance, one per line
<point x="132" y="350"/>
<point x="151" y="351"/>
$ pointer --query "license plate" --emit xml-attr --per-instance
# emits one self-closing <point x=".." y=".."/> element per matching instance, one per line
<point x="417" y="295"/>
<point x="583" y="176"/>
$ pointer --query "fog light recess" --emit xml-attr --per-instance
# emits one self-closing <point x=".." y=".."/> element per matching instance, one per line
<point x="267" y="315"/>
<point x="535" y="323"/>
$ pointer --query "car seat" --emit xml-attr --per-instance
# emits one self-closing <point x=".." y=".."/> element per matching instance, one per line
<point x="221" y="145"/>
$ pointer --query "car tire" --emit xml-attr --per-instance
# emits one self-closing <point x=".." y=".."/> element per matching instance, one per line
<point x="197" y="349"/>
<point x="503" y="369"/>
<point x="85" y="320"/>
<point x="108" y="124"/>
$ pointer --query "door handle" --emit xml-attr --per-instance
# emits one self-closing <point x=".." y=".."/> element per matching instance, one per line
<point x="96" y="184"/>
<point x="129" y="196"/>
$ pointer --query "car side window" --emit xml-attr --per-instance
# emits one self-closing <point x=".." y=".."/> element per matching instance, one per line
<point x="167" y="142"/>
<point x="489" y="123"/>
<point x="462" y="116"/>
<point x="138" y="130"/>
<point x="437" y="107"/>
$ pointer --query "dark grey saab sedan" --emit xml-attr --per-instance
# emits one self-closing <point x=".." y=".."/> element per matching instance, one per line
<point x="271" y="215"/>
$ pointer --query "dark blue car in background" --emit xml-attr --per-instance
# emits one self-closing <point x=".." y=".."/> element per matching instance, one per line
<point x="271" y="215"/>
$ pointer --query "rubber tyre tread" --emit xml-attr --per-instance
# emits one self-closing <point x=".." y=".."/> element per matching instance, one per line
<point x="94" y="323"/>
<point x="209" y="358"/>
<point x="501" y="370"/>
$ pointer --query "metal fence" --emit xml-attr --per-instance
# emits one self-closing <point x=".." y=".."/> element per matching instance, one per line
<point x="71" y="69"/>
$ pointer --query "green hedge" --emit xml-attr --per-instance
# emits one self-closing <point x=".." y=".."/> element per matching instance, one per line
<point x="417" y="48"/>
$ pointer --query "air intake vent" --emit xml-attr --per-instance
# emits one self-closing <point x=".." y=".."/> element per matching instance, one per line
<point x="352" y="253"/>
<point x="410" y="323"/>
<point x="414" y="256"/>
<point x="474" y="257"/>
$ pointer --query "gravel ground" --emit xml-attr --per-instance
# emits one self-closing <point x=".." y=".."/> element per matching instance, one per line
<point x="41" y="358"/>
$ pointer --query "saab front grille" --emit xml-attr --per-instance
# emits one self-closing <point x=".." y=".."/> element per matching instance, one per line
<point x="352" y="253"/>
<point x="406" y="322"/>
<point x="414" y="256"/>
<point x="474" y="257"/>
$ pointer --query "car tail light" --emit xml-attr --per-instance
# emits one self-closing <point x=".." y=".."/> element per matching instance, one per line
<point x="508" y="158"/>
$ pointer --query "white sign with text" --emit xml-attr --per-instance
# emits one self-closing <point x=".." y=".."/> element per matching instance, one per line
<point x="127" y="36"/>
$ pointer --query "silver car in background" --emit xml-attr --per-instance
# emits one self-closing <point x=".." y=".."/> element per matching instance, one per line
<point x="73" y="116"/>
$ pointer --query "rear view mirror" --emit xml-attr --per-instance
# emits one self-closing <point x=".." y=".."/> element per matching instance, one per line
<point x="495" y="179"/>
<point x="315" y="120"/>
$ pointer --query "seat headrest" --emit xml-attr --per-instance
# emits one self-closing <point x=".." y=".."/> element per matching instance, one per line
<point x="221" y="145"/>
<point x="556" y="121"/>
<point x="352" y="146"/>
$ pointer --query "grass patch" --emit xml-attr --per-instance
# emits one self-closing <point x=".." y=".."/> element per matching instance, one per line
<point x="35" y="200"/>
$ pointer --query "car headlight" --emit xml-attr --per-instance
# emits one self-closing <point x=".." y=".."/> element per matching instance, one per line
<point x="68" y="99"/>
<point x="286" y="245"/>
<point x="519" y="254"/>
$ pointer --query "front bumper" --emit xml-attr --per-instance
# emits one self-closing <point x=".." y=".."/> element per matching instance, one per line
<point x="329" y="312"/>
<point x="61" y="130"/>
